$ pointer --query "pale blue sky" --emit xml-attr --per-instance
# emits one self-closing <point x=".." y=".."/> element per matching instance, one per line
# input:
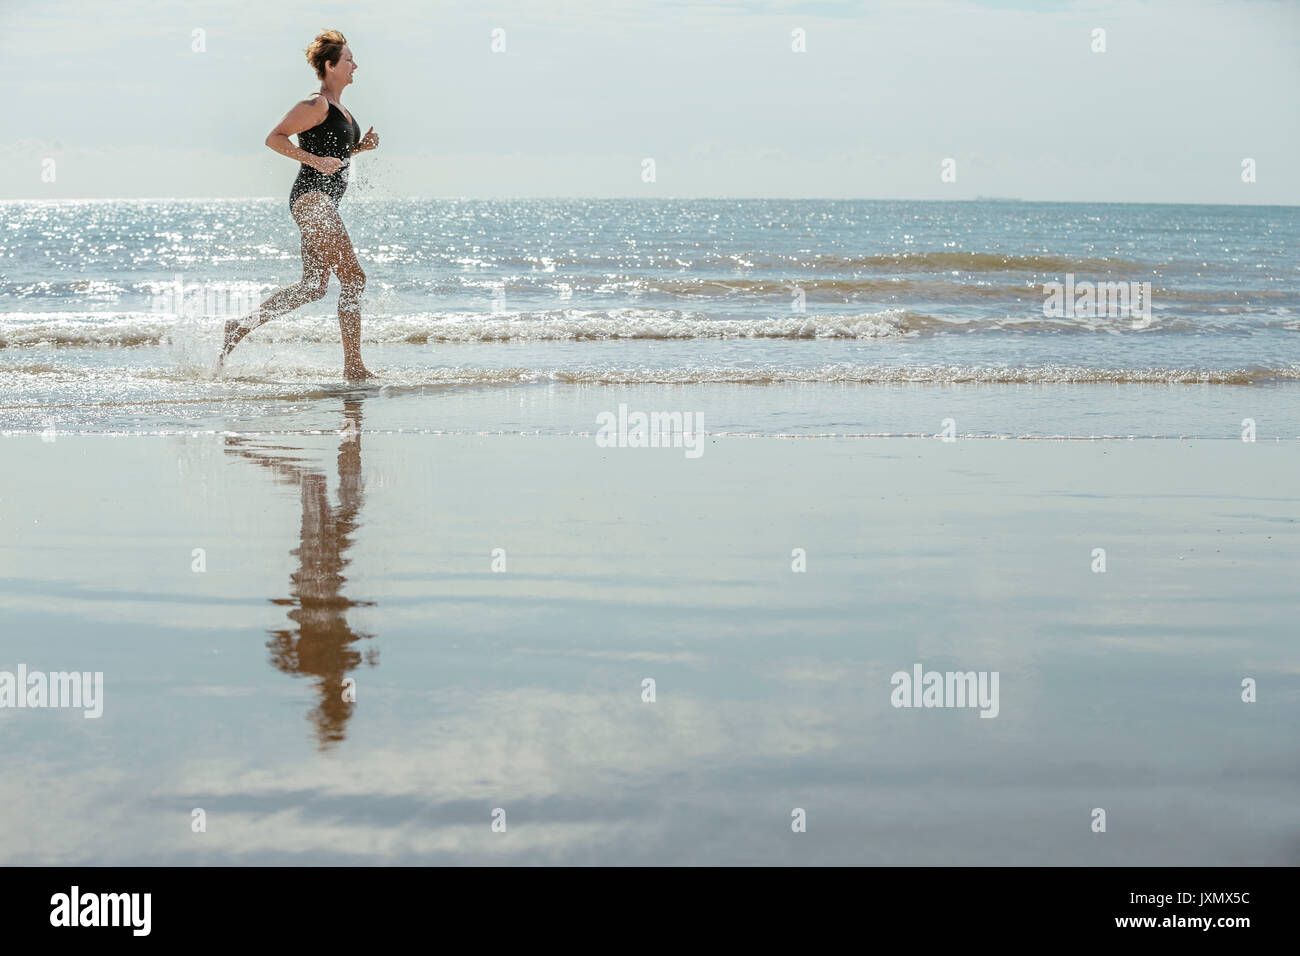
<point x="710" y="90"/>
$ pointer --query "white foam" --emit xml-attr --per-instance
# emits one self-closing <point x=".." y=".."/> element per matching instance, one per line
<point x="559" y="325"/>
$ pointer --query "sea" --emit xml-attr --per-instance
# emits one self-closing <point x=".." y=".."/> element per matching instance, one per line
<point x="803" y="317"/>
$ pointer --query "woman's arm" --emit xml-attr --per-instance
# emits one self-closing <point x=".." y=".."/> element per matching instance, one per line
<point x="304" y="115"/>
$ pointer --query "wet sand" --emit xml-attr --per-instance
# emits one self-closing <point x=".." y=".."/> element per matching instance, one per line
<point x="365" y="556"/>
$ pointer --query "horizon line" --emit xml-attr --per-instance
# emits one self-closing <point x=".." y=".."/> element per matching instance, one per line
<point x="361" y="199"/>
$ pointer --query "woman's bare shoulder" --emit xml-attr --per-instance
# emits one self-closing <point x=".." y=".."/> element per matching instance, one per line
<point x="316" y="102"/>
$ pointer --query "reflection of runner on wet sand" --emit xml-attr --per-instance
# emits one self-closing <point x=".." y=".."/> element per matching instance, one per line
<point x="322" y="643"/>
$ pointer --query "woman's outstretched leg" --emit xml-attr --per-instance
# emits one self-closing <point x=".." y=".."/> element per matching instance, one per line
<point x="310" y="288"/>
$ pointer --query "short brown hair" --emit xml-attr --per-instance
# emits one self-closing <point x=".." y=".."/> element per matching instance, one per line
<point x="326" y="48"/>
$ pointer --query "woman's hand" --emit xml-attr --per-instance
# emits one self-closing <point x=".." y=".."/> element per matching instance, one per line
<point x="369" y="141"/>
<point x="327" y="165"/>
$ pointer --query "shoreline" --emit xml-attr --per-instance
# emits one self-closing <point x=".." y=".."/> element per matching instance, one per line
<point x="1093" y="412"/>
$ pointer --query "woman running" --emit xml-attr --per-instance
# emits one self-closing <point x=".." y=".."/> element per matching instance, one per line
<point x="328" y="137"/>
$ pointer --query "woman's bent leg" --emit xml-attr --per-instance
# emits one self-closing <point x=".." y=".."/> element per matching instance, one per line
<point x="311" y="287"/>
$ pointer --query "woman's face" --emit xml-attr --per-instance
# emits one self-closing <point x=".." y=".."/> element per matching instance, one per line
<point x="344" y="68"/>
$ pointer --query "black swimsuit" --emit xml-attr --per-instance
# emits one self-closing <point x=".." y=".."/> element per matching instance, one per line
<point x="333" y="136"/>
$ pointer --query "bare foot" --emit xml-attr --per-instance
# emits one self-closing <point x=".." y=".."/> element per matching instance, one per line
<point x="228" y="340"/>
<point x="356" y="373"/>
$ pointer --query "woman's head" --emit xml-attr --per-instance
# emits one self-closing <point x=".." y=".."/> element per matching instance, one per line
<point x="330" y="57"/>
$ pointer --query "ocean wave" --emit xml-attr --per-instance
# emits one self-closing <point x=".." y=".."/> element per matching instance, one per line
<point x="931" y="289"/>
<point x="18" y="329"/>
<point x="974" y="262"/>
<point x="82" y="288"/>
<point x="568" y="325"/>
<point x="95" y="289"/>
<point x="919" y="261"/>
<point x="574" y="325"/>
<point x="95" y="330"/>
